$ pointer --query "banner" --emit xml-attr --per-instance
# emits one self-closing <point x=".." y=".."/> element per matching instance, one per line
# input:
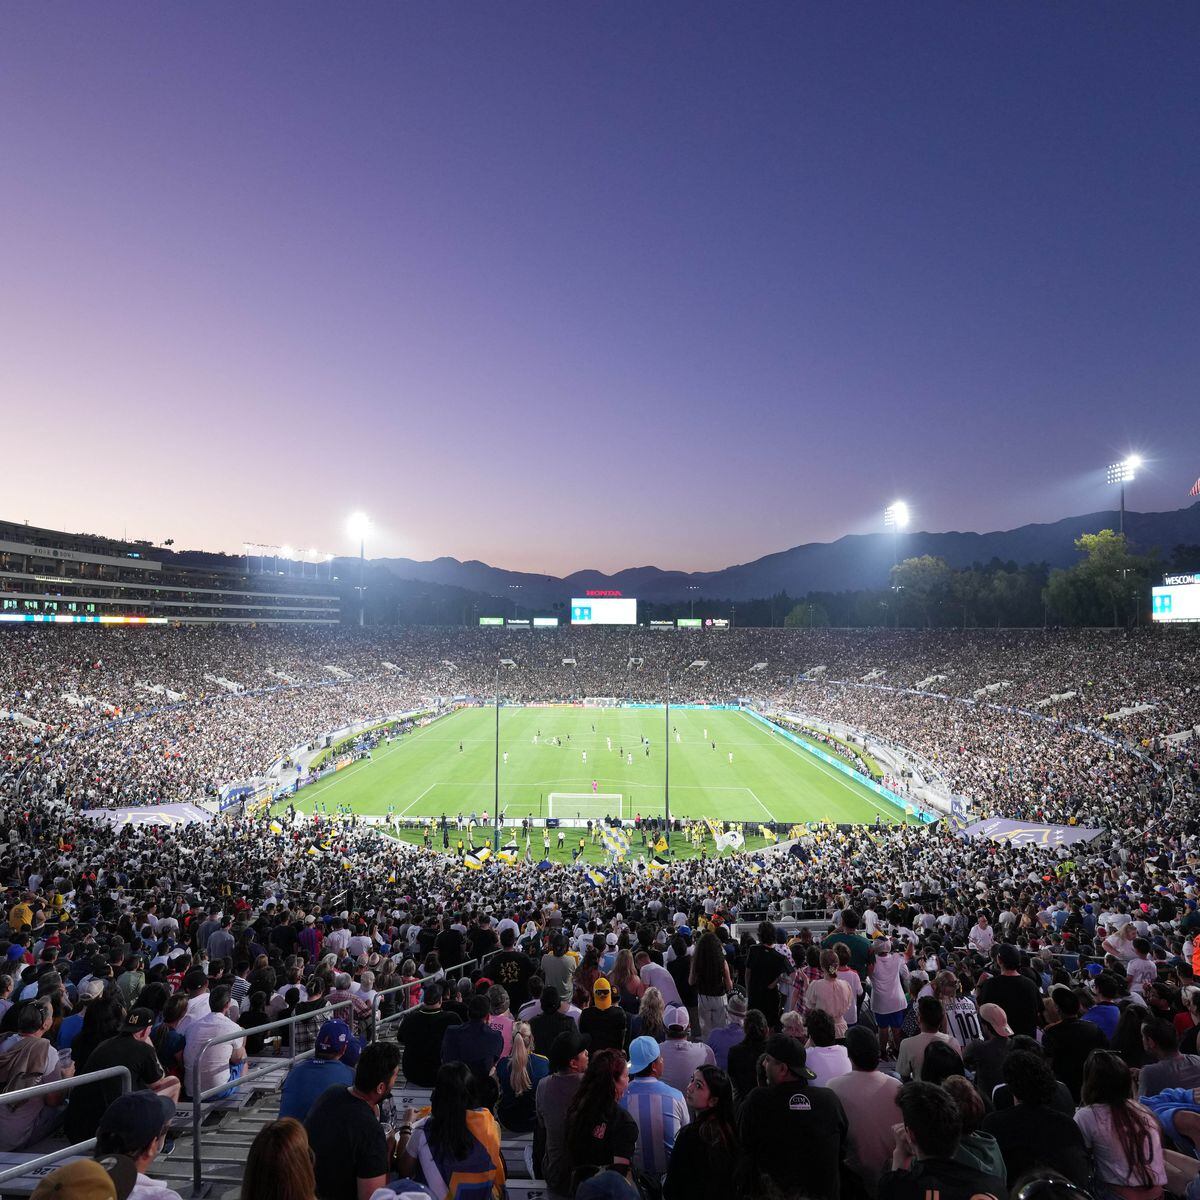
<point x="1031" y="833"/>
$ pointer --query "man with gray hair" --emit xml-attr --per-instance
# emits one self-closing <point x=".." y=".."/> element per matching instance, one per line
<point x="357" y="1010"/>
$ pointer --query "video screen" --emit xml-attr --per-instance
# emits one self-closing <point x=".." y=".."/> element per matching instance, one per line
<point x="594" y="611"/>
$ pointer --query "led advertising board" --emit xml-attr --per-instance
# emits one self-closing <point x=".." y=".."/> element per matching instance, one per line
<point x="689" y="622"/>
<point x="596" y="611"/>
<point x="545" y="622"/>
<point x="491" y="620"/>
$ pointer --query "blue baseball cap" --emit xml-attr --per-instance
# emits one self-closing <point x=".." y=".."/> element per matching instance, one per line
<point x="333" y="1035"/>
<point x="642" y="1052"/>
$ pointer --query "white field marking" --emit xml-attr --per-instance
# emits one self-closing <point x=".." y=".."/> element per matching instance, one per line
<point x="816" y="762"/>
<point x="754" y="795"/>
<point x="418" y="800"/>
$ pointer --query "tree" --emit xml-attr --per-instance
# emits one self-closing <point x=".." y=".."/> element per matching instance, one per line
<point x="924" y="584"/>
<point x="807" y="616"/>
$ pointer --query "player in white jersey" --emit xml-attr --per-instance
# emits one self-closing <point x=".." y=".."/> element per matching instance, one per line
<point x="609" y="740"/>
<point x="506" y="758"/>
<point x="585" y="757"/>
<point x="677" y="739"/>
<point x="731" y="758"/>
<point x="629" y="760"/>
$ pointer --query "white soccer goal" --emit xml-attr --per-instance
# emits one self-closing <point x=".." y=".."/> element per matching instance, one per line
<point x="585" y="804"/>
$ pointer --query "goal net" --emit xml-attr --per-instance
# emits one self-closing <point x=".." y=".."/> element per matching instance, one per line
<point x="585" y="804"/>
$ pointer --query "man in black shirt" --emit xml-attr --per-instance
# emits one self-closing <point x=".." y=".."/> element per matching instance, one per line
<point x="1032" y="1133"/>
<point x="1069" y="1041"/>
<point x="1018" y="995"/>
<point x="512" y="969"/>
<point x="923" y="1163"/>
<point x="450" y="944"/>
<point x="603" y="1021"/>
<point x="793" y="1134"/>
<point x="351" y="1152"/>
<point x="481" y="938"/>
<point x="421" y="1033"/>
<point x="550" y="1022"/>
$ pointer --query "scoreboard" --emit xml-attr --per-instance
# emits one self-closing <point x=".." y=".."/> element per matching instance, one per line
<point x="597" y="610"/>
<point x="1177" y="600"/>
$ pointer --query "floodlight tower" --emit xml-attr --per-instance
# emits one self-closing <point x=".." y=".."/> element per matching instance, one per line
<point x="287" y="554"/>
<point x="358" y="524"/>
<point x="895" y="518"/>
<point x="1121" y="473"/>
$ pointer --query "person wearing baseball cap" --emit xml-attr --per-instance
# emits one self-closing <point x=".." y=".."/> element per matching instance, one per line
<point x="136" y="1125"/>
<point x="659" y="1109"/>
<point x="680" y="1056"/>
<point x="793" y="1134"/>
<point x="130" y="1048"/>
<point x="603" y="1021"/>
<point x="86" y="1179"/>
<point x="986" y="1058"/>
<point x="308" y="1079"/>
<point x="568" y="1062"/>
<point x="725" y="1037"/>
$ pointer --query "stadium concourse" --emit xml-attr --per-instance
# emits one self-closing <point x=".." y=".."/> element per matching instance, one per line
<point x="137" y="946"/>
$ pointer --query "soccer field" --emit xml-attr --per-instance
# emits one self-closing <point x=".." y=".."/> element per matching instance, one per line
<point x="448" y="767"/>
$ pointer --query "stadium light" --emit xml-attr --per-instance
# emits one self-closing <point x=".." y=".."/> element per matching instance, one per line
<point x="358" y="525"/>
<point x="1121" y="473"/>
<point x="896" y="515"/>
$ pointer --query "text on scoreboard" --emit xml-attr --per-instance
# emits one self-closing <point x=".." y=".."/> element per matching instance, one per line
<point x="596" y="611"/>
<point x="1175" y="603"/>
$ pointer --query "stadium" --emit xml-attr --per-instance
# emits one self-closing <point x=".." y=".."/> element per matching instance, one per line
<point x="599" y="602"/>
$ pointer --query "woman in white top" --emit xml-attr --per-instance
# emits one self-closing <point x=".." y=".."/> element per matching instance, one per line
<point x="1121" y="1136"/>
<point x="830" y="994"/>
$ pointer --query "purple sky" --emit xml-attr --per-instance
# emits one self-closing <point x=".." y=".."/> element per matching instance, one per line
<point x="593" y="285"/>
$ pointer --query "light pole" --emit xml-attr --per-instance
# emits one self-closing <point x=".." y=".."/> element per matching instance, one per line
<point x="358" y="524"/>
<point x="896" y="518"/>
<point x="667" y="762"/>
<point x="693" y="588"/>
<point x="514" y="588"/>
<point x="496" y="792"/>
<point x="1121" y="473"/>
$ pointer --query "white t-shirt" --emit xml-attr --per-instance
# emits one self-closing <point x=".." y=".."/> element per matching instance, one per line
<point x="887" y="989"/>
<point x="214" y="1065"/>
<point x="1096" y="1124"/>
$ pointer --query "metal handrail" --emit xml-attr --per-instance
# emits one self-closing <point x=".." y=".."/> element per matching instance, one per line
<point x="376" y="1021"/>
<point x="198" y="1096"/>
<point x="60" y="1085"/>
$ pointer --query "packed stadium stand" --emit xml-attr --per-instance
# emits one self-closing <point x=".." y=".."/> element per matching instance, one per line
<point x="163" y="949"/>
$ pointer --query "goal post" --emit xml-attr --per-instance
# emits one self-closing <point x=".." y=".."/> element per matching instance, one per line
<point x="585" y="804"/>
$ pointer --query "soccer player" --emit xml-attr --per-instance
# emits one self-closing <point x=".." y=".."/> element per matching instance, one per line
<point x="460" y="747"/>
<point x="677" y="739"/>
<point x="595" y="786"/>
<point x="706" y="735"/>
<point x="506" y="758"/>
<point x="731" y="758"/>
<point x="585" y="758"/>
<point x="629" y="759"/>
<point x="609" y="740"/>
<point x="561" y="837"/>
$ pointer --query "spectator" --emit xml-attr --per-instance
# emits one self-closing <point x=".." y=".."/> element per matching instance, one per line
<point x="857" y="946"/>
<point x="930" y="1019"/>
<point x="889" y="978"/>
<point x="986" y="1057"/>
<point x="1031" y="1134"/>
<point x="743" y="1057"/>
<point x="27" y="1061"/>
<point x="1121" y="1136"/>
<point x="975" y="1147"/>
<point x="352" y="1152"/>
<point x="421" y="1033"/>
<point x="1013" y="992"/>
<point x="218" y="1064"/>
<point x="793" y="1135"/>
<point x="568" y="1062"/>
<point x="941" y="1062"/>
<point x="868" y="1097"/>
<point x="651" y="1016"/>
<point x="626" y="982"/>
<point x="599" y="1132"/>
<point x="706" y="1151"/>
<point x="512" y="969"/>
<point x="923" y="1162"/>
<point x="500" y="1017"/>
<point x="478" y="1045"/>
<point x="518" y="1077"/>
<point x="309" y="1079"/>
<point x="765" y="968"/>
<point x="1068" y="1040"/>
<point x="709" y="975"/>
<point x="659" y="1109"/>
<point x="680" y="1056"/>
<point x="110" y="1180"/>
<point x="1165" y="1066"/>
<point x="825" y="1058"/>
<point x="132" y="1049"/>
<point x="550" y="1022"/>
<point x="279" y="1165"/>
<point x="830" y="993"/>
<point x="559" y="966"/>
<point x="654" y="975"/>
<point x="458" y="1144"/>
<point x="137" y="1126"/>
<point x="603" y="1021"/>
<point x="726" y="1036"/>
<point x="1105" y="1013"/>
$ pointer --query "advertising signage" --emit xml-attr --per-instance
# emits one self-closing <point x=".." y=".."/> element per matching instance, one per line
<point x="491" y="620"/>
<point x="689" y="622"/>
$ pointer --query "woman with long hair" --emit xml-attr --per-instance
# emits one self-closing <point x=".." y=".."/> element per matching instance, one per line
<point x="280" y="1165"/>
<point x="744" y="1056"/>
<point x="830" y="993"/>
<point x="706" y="1151"/>
<point x="650" y="1020"/>
<point x="1121" y="1136"/>
<point x="518" y="1076"/>
<point x="709" y="975"/>
<point x="626" y="982"/>
<point x="599" y="1132"/>
<point x="585" y="977"/>
<point x="458" y="1144"/>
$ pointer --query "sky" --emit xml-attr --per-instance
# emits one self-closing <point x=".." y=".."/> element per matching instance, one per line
<point x="593" y="285"/>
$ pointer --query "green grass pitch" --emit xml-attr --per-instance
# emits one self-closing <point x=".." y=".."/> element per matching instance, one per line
<point x="425" y="774"/>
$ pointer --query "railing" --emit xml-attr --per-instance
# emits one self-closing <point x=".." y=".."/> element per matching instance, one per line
<point x="47" y="1089"/>
<point x="198" y="1096"/>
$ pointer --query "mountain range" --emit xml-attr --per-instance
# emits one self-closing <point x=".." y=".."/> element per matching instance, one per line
<point x="851" y="562"/>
